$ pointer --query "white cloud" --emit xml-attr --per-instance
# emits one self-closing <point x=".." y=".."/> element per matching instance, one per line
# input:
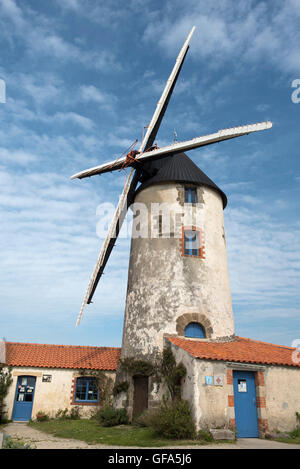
<point x="263" y="256"/>
<point x="71" y="4"/>
<point x="82" y="121"/>
<point x="11" y="10"/>
<point x="90" y="93"/>
<point x="42" y="36"/>
<point x="19" y="157"/>
<point x="255" y="32"/>
<point x="49" y="247"/>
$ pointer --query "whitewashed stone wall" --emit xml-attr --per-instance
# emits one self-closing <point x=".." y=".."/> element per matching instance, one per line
<point x="49" y="397"/>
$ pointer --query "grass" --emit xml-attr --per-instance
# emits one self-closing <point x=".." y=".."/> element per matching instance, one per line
<point x="3" y="424"/>
<point x="294" y="441"/>
<point x="124" y="435"/>
<point x="294" y="437"/>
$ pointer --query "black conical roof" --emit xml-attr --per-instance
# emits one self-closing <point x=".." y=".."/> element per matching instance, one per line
<point x="177" y="168"/>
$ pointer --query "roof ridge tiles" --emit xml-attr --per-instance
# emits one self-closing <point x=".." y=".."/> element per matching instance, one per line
<point x="62" y="356"/>
<point x="265" y="343"/>
<point x="62" y="345"/>
<point x="239" y="350"/>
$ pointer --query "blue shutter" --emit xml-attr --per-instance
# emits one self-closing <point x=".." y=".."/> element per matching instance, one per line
<point x="194" y="196"/>
<point x="194" y="331"/>
<point x="190" y="195"/>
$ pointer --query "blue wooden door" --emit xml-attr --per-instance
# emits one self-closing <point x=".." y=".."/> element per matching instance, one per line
<point x="24" y="398"/>
<point x="245" y="404"/>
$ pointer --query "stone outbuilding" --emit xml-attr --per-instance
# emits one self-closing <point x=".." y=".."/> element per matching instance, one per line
<point x="241" y="383"/>
<point x="246" y="384"/>
<point x="49" y="378"/>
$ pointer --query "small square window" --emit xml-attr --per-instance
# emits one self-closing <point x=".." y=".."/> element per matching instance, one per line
<point x="190" y="195"/>
<point x="86" y="389"/>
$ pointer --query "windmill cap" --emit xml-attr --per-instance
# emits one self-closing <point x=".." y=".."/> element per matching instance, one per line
<point x="178" y="168"/>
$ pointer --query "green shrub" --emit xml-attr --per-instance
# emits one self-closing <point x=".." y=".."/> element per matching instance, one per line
<point x="9" y="443"/>
<point x="121" y="387"/>
<point x="65" y="415"/>
<point x="295" y="433"/>
<point x="74" y="413"/>
<point x="138" y="367"/>
<point x="42" y="416"/>
<point x="204" y="436"/>
<point x="110" y="417"/>
<point x="173" y="420"/>
<point x="173" y="373"/>
<point x="5" y="382"/>
<point x="61" y="414"/>
<point x="144" y="419"/>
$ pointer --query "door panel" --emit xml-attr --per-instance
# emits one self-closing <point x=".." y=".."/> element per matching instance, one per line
<point x="24" y="398"/>
<point x="245" y="404"/>
<point x="140" y="395"/>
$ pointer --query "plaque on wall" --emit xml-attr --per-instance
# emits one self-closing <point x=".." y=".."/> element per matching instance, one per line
<point x="218" y="380"/>
<point x="47" y="378"/>
<point x="208" y="380"/>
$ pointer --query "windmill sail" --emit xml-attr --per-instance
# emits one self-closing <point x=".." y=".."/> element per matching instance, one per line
<point x="221" y="135"/>
<point x="132" y="181"/>
<point x="165" y="97"/>
<point x="110" y="240"/>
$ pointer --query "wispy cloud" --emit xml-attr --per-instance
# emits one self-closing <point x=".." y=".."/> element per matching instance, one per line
<point x="82" y="121"/>
<point x="91" y="94"/>
<point x="263" y="255"/>
<point x="256" y="32"/>
<point x="19" y="157"/>
<point x="42" y="36"/>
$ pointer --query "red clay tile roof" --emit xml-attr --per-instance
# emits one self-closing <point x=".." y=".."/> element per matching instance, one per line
<point x="239" y="350"/>
<point x="62" y="356"/>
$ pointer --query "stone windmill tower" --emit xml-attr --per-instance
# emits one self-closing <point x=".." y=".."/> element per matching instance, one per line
<point x="178" y="280"/>
<point x="178" y="274"/>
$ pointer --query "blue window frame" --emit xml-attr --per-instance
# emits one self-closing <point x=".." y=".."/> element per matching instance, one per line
<point x="190" y="196"/>
<point x="194" y="330"/>
<point x="86" y="390"/>
<point x="191" y="243"/>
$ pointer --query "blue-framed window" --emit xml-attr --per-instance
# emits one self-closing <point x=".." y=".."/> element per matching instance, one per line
<point x="190" y="195"/>
<point x="191" y="243"/>
<point x="86" y="390"/>
<point x="194" y="330"/>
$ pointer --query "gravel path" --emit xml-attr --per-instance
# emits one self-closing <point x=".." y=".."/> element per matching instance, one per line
<point x="41" y="440"/>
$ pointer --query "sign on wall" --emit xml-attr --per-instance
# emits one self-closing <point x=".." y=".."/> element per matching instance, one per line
<point x="46" y="378"/>
<point x="208" y="380"/>
<point x="242" y="385"/>
<point x="216" y="380"/>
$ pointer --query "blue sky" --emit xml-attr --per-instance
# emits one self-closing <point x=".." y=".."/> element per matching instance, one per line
<point x="82" y="80"/>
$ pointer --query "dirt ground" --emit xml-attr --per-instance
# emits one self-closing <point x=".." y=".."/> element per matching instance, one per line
<point x="40" y="440"/>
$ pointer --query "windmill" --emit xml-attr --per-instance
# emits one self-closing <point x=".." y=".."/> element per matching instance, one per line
<point x="148" y="152"/>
